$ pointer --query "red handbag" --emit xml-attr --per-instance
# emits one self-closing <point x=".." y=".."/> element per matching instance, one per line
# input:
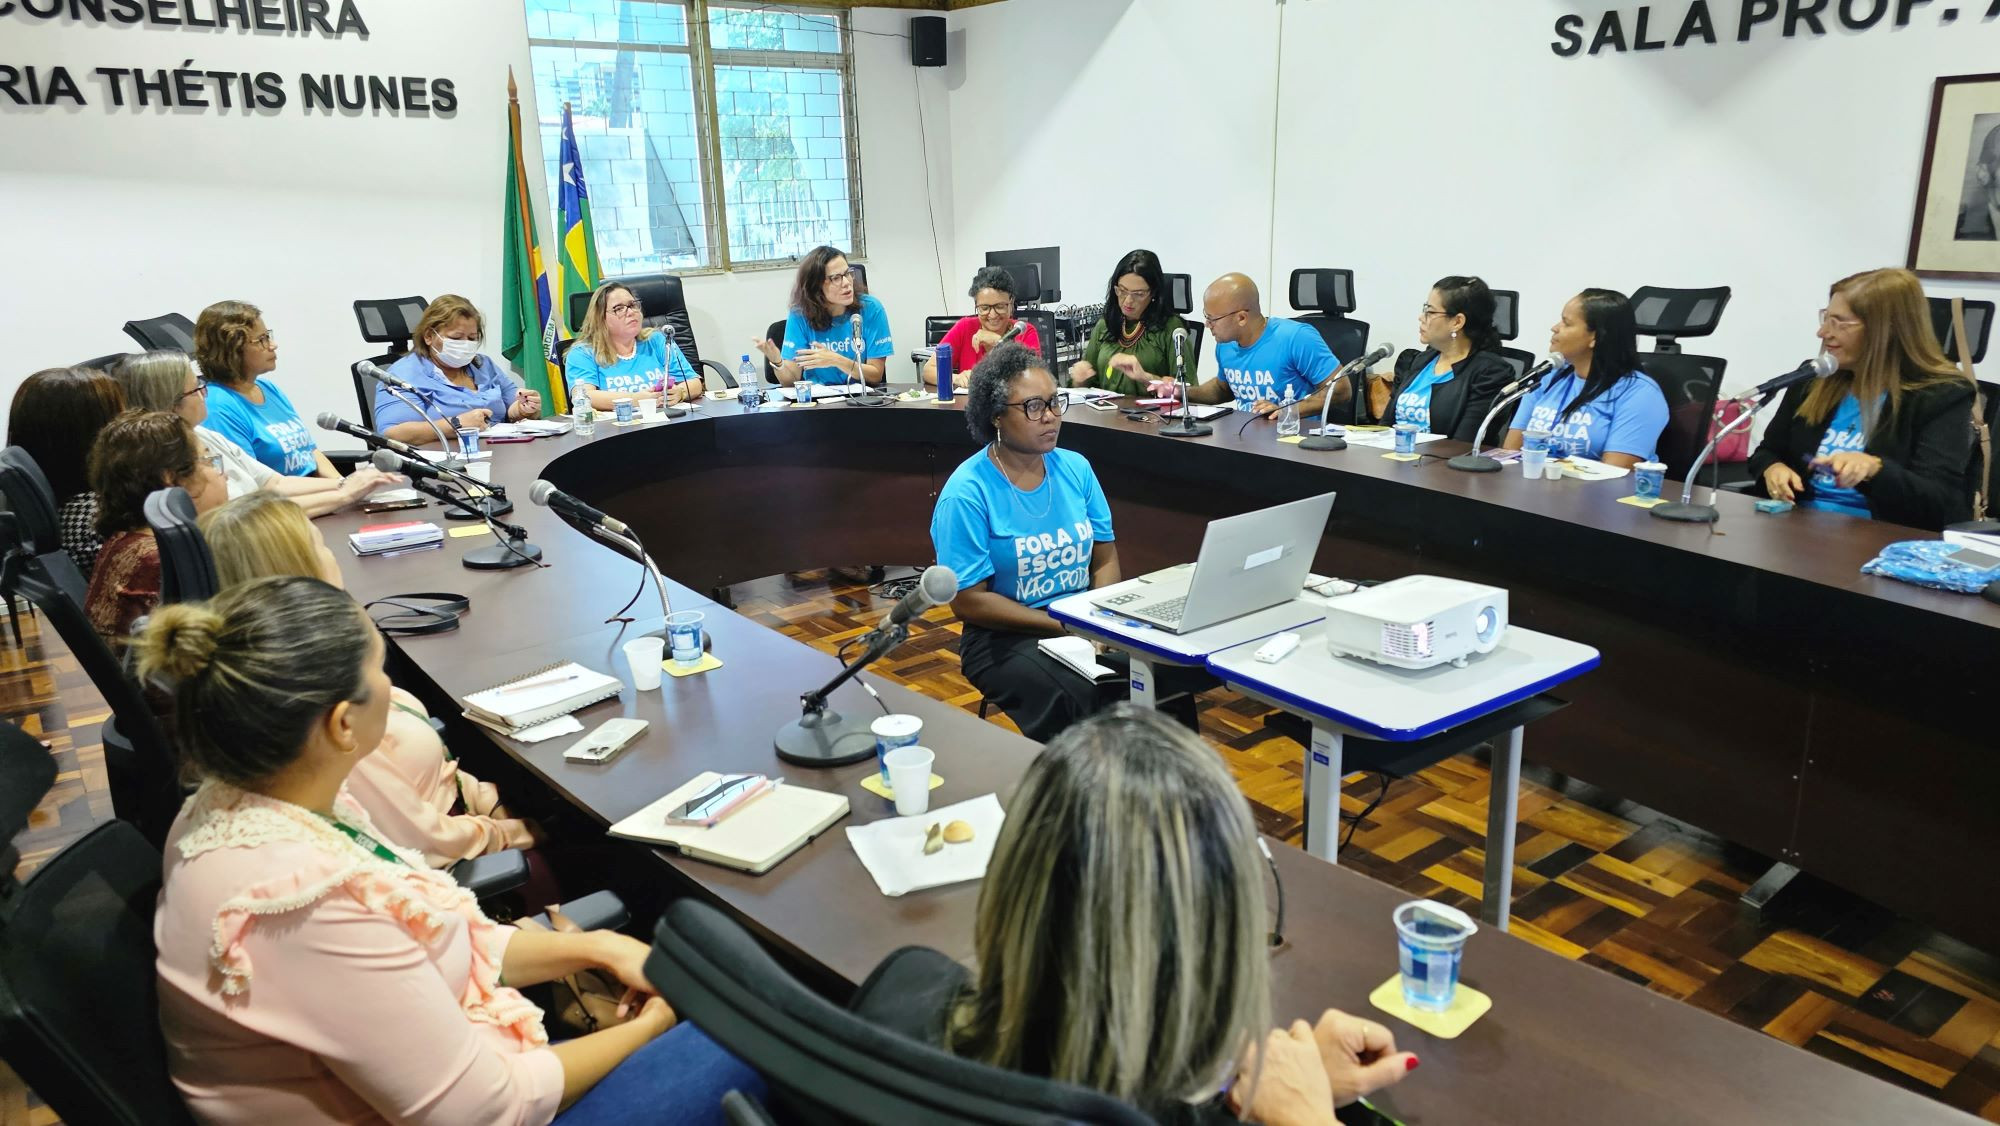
<point x="1736" y="447"/>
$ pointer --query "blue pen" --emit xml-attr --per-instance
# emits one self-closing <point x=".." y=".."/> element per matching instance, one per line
<point x="1119" y="618"/>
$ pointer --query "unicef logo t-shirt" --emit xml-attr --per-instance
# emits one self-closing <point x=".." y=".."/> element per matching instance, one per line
<point x="1626" y="419"/>
<point x="1032" y="547"/>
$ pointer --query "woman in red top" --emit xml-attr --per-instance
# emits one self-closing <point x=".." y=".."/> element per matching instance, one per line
<point x="972" y="337"/>
<point x="135" y="455"/>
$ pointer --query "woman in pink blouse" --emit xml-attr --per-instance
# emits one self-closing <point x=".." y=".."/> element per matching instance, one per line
<point x="309" y="972"/>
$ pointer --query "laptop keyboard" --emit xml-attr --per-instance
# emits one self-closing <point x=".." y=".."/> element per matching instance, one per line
<point x="1168" y="611"/>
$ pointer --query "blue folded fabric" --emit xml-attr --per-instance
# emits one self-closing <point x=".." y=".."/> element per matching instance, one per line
<point x="1924" y="563"/>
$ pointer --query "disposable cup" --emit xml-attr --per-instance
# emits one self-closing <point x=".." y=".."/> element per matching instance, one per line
<point x="644" y="655"/>
<point x="910" y="777"/>
<point x="1430" y="943"/>
<point x="892" y="731"/>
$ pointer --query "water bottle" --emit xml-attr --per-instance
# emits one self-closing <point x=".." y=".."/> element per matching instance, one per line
<point x="582" y="414"/>
<point x="1288" y="417"/>
<point x="749" y="384"/>
<point x="944" y="373"/>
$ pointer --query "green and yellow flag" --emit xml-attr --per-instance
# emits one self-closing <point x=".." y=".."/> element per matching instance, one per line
<point x="576" y="261"/>
<point x="527" y="323"/>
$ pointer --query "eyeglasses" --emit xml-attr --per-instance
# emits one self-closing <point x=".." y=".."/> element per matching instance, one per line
<point x="1210" y="321"/>
<point x="213" y="461"/>
<point x="1038" y="408"/>
<point x="1828" y="320"/>
<point x="999" y="310"/>
<point x="625" y="307"/>
<point x="265" y="341"/>
<point x="1426" y="313"/>
<point x="1277" y="935"/>
<point x="200" y="388"/>
<point x="836" y="279"/>
<point x="1132" y="294"/>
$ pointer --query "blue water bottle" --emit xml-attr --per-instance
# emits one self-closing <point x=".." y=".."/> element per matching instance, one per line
<point x="944" y="373"/>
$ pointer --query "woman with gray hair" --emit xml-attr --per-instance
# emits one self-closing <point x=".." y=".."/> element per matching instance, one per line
<point x="1122" y="944"/>
<point x="992" y="317"/>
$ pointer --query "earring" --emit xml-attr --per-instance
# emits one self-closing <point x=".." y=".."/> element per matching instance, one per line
<point x="1454" y="336"/>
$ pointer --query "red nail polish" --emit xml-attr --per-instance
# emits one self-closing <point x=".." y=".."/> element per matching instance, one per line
<point x="1412" y="1065"/>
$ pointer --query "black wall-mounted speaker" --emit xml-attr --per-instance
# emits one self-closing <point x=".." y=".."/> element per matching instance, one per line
<point x="926" y="40"/>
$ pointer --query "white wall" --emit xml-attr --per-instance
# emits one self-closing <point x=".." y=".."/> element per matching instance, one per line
<point x="1431" y="137"/>
<point x="115" y="214"/>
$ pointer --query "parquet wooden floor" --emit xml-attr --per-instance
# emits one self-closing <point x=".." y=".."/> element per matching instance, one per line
<point x="1618" y="886"/>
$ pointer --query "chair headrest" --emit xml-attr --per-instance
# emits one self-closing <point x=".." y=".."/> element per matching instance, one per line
<point x="187" y="567"/>
<point x="1323" y="290"/>
<point x="1180" y="294"/>
<point x="171" y="331"/>
<point x="389" y="320"/>
<point x="27" y="770"/>
<point x="30" y="499"/>
<point x="1678" y="312"/>
<point x="1978" y="326"/>
<point x="1507" y="313"/>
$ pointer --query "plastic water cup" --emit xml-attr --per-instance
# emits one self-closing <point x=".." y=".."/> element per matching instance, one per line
<point x="480" y="471"/>
<point x="891" y="732"/>
<point x="1430" y="942"/>
<point x="468" y="441"/>
<point x="1406" y="438"/>
<point x="1535" y="439"/>
<point x="684" y="635"/>
<point x="624" y="410"/>
<point x="802" y="392"/>
<point x="643" y="654"/>
<point x="1552" y="470"/>
<point x="649" y="409"/>
<point x="910" y="777"/>
<point x="1647" y="479"/>
<point x="1533" y="463"/>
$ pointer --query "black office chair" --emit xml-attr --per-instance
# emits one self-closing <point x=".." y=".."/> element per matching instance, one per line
<point x="1689" y="382"/>
<point x="661" y="296"/>
<point x="390" y="321"/>
<point x="1978" y="326"/>
<point x="105" y="362"/>
<point x="1327" y="296"/>
<point x="776" y="335"/>
<point x="33" y="505"/>
<point x="829" y="1066"/>
<point x="170" y="333"/>
<point x="1507" y="321"/>
<point x="1180" y="302"/>
<point x="187" y="568"/>
<point x="78" y="1008"/>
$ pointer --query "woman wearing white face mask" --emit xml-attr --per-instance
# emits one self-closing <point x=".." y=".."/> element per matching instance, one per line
<point x="457" y="386"/>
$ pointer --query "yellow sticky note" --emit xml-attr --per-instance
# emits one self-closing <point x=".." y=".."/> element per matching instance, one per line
<point x="874" y="785"/>
<point x="1638" y="503"/>
<point x="708" y="661"/>
<point x="1467" y="1005"/>
<point x="467" y="531"/>
<point x="1404" y="457"/>
<point x="1360" y="427"/>
<point x="1293" y="440"/>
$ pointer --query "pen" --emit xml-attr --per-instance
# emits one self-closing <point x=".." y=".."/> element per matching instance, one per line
<point x="1120" y="619"/>
<point x="529" y="684"/>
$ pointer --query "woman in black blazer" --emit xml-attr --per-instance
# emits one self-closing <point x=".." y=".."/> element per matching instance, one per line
<point x="1450" y="385"/>
<point x="1888" y="436"/>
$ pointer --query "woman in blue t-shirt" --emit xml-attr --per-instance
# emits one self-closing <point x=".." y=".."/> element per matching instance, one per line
<point x="1599" y="404"/>
<point x="1885" y="437"/>
<point x="820" y="334"/>
<point x="617" y="355"/>
<point x="236" y="351"/>
<point x="1023" y="523"/>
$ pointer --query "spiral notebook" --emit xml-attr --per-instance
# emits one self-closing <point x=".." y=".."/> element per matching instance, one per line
<point x="559" y="689"/>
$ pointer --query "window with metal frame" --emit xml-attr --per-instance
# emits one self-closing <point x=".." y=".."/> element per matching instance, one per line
<point x="714" y="135"/>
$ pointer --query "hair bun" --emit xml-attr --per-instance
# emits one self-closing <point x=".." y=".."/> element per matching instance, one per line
<point x="179" y="641"/>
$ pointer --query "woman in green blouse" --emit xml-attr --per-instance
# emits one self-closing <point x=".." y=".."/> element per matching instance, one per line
<point x="1133" y="344"/>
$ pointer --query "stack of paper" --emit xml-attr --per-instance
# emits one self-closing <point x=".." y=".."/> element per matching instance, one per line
<point x="541" y="695"/>
<point x="380" y="539"/>
<point x="1077" y="655"/>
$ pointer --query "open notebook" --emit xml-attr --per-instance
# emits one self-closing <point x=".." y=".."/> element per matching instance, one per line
<point x="761" y="832"/>
<point x="544" y="694"/>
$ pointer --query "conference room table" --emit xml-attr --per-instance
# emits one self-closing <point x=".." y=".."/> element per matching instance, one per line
<point x="724" y="496"/>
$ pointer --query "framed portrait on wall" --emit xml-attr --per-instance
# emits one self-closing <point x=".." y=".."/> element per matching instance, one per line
<point x="1956" y="231"/>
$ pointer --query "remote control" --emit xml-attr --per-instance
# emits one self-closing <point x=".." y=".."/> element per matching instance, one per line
<point x="1277" y="648"/>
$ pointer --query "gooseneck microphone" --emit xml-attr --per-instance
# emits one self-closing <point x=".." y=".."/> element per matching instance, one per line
<point x="937" y="586"/>
<point x="1819" y="367"/>
<point x="1351" y="371"/>
<point x="513" y="550"/>
<point x="383" y="375"/>
<point x="1476" y="462"/>
<point x="403" y="391"/>
<point x="548" y="496"/>
<point x="1185" y="426"/>
<point x="824" y="737"/>
<point x="1685" y="511"/>
<point x="372" y="439"/>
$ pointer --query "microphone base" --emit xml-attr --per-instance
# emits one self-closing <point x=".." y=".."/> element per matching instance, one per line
<point x="1474" y="463"/>
<point x="1323" y="442"/>
<point x="493" y="507"/>
<point x="1686" y="513"/>
<point x="502" y="556"/>
<point x="825" y="738"/>
<point x="1186" y="428"/>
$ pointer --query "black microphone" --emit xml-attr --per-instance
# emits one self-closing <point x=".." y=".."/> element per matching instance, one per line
<point x="937" y="586"/>
<point x="380" y="375"/>
<point x="331" y="421"/>
<point x="415" y="468"/>
<point x="1819" y="367"/>
<point x="1018" y="329"/>
<point x="1532" y="378"/>
<point x="548" y="496"/>
<point x="1356" y="367"/>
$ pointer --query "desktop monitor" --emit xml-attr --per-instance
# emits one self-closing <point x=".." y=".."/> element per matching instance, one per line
<point x="1047" y="263"/>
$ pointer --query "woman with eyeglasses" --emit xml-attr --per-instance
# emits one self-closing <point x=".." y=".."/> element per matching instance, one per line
<point x="1132" y="344"/>
<point x="1887" y="436"/>
<point x="1023" y="523"/>
<point x="56" y="415"/>
<point x="972" y="337"/>
<point x="456" y="384"/>
<point x="1123" y="944"/>
<point x="1450" y="385"/>
<point x="1599" y="404"/>
<point x="236" y="352"/>
<point x="135" y="455"/>
<point x="617" y="355"/>
<point x="166" y="381"/>
<point x="309" y="972"/>
<point x="820" y="330"/>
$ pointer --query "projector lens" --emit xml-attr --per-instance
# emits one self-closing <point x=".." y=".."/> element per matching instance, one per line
<point x="1487" y="624"/>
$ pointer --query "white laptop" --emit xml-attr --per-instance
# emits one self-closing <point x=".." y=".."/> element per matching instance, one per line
<point x="1248" y="563"/>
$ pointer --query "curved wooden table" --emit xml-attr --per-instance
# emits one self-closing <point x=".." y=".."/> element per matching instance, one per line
<point x="722" y="496"/>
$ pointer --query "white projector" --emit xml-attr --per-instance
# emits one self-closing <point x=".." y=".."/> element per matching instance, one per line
<point x="1417" y="622"/>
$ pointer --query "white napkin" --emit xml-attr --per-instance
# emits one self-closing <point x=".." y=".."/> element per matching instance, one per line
<point x="1591" y="470"/>
<point x="893" y="849"/>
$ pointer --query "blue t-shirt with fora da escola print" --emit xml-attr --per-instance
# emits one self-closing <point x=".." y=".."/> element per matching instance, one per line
<point x="1844" y="434"/>
<point x="1032" y="547"/>
<point x="1287" y="356"/>
<point x="271" y="430"/>
<point x="1626" y="419"/>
